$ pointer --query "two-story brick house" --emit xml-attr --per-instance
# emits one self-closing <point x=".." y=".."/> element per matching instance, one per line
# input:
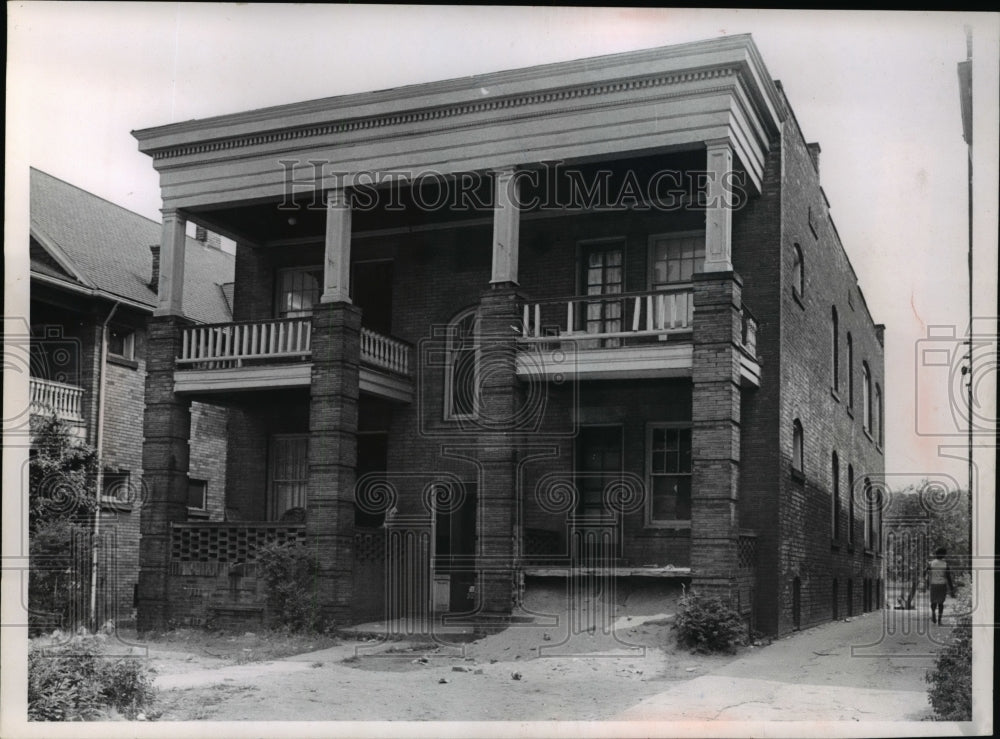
<point x="93" y="269"/>
<point x="583" y="319"/>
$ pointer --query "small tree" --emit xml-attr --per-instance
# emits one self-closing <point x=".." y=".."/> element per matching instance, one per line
<point x="61" y="502"/>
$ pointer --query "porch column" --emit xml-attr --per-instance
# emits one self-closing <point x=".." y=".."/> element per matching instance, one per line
<point x="716" y="432"/>
<point x="337" y="263"/>
<point x="173" y="241"/>
<point x="506" y="227"/>
<point x="165" y="456"/>
<point x="333" y="428"/>
<point x="719" y="210"/>
<point x="497" y="428"/>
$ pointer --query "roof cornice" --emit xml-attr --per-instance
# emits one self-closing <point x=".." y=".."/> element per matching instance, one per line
<point x="487" y="94"/>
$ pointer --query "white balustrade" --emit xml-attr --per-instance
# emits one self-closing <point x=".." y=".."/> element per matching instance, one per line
<point x="229" y="344"/>
<point x="650" y="314"/>
<point x="387" y="353"/>
<point x="48" y="396"/>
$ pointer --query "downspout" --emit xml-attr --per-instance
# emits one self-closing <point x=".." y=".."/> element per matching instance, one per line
<point x="99" y="444"/>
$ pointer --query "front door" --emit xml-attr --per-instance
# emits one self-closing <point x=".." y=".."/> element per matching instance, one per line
<point x="598" y="464"/>
<point x="602" y="274"/>
<point x="455" y="550"/>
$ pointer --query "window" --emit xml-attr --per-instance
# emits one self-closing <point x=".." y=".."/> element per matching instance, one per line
<point x="866" y="402"/>
<point x="116" y="484"/>
<point x="669" y="458"/>
<point x="835" y="353"/>
<point x="288" y="473"/>
<point x="797" y="444"/>
<point x="461" y="372"/>
<point x="197" y="494"/>
<point x="798" y="272"/>
<point x="298" y="290"/>
<point x="835" y="497"/>
<point x="879" y="419"/>
<point x="121" y="342"/>
<point x="850" y="371"/>
<point x="850" y="506"/>
<point x="869" y="510"/>
<point x="603" y="273"/>
<point x="676" y="257"/>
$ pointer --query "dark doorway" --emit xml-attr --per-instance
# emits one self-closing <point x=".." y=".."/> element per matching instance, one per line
<point x="797" y="603"/>
<point x="598" y="464"/>
<point x="371" y="291"/>
<point x="835" y="601"/>
<point x="850" y="598"/>
<point x="455" y="546"/>
<point x="373" y="451"/>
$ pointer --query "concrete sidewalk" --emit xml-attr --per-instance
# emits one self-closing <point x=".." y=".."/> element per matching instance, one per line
<point x="870" y="668"/>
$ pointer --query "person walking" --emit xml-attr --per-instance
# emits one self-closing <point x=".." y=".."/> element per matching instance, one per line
<point x="937" y="576"/>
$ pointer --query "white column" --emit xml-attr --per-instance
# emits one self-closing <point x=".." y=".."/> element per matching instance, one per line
<point x="337" y="265"/>
<point x="506" y="227"/>
<point x="170" y="291"/>
<point x="719" y="212"/>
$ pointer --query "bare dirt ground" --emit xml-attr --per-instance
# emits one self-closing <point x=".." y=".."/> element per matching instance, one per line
<point x="867" y="668"/>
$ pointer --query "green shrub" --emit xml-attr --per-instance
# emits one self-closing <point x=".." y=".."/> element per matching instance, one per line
<point x="708" y="624"/>
<point x="950" y="691"/>
<point x="289" y="573"/>
<point x="77" y="682"/>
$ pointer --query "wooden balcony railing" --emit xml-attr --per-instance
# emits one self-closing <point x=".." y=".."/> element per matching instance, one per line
<point x="58" y="398"/>
<point x="218" y="345"/>
<point x="648" y="314"/>
<point x="224" y="345"/>
<point x="384" y="352"/>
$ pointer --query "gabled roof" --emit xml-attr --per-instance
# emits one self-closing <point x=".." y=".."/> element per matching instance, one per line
<point x="78" y="237"/>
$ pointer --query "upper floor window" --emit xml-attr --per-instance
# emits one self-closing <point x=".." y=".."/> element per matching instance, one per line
<point x="121" y="342"/>
<point x="797" y="447"/>
<point x="835" y="353"/>
<point x="866" y="406"/>
<point x="298" y="290"/>
<point x="669" y="458"/>
<point x="798" y="272"/>
<point x="461" y="370"/>
<point x="879" y="419"/>
<point x="850" y="505"/>
<point x="675" y="258"/>
<point x="835" y="496"/>
<point x="850" y="370"/>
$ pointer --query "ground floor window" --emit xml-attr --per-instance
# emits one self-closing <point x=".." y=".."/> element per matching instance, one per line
<point x="288" y="473"/>
<point x="668" y="455"/>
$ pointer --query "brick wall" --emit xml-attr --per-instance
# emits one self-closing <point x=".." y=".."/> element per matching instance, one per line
<point x="807" y="550"/>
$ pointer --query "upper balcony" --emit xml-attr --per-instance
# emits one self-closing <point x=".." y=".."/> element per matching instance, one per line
<point x="57" y="398"/>
<point x="619" y="336"/>
<point x="255" y="355"/>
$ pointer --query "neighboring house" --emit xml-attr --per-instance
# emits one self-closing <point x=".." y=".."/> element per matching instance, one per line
<point x="93" y="278"/>
<point x="588" y="318"/>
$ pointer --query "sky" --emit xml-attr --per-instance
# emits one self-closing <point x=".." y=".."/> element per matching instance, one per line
<point x="878" y="91"/>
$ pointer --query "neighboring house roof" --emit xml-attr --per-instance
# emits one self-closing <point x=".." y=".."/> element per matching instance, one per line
<point x="79" y="237"/>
